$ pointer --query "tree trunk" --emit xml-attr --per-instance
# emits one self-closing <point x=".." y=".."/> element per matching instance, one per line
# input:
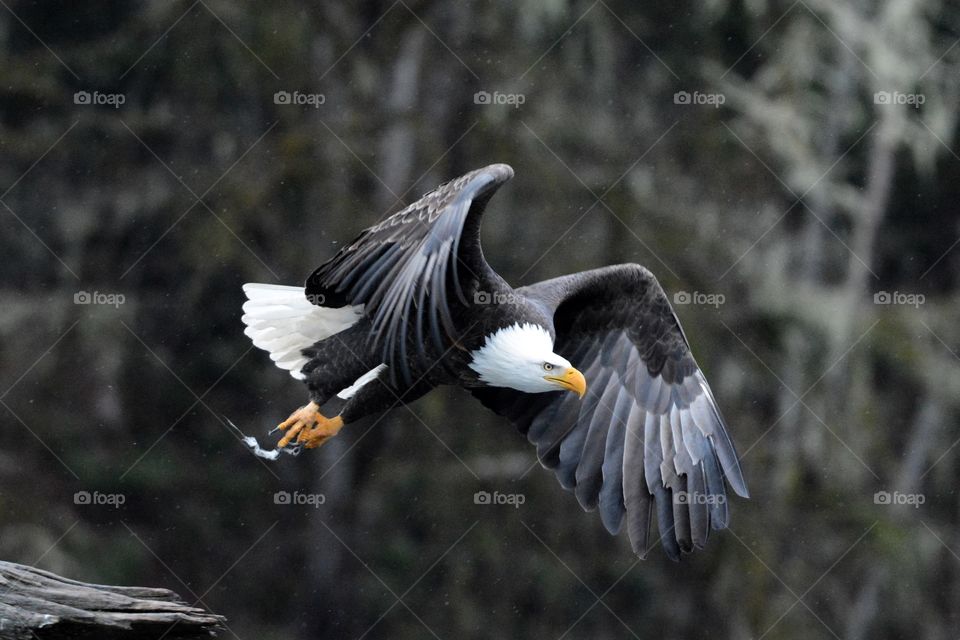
<point x="37" y="604"/>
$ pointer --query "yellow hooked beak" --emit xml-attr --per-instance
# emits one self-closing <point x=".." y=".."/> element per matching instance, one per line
<point x="572" y="380"/>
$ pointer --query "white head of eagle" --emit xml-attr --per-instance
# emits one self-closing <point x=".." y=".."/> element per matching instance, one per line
<point x="521" y="357"/>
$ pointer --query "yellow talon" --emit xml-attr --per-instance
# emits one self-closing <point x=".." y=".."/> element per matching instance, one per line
<point x="309" y="427"/>
<point x="326" y="428"/>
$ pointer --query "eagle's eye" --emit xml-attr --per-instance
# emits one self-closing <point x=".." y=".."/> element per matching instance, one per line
<point x="547" y="366"/>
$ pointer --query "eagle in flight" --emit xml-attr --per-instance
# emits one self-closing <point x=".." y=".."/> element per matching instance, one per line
<point x="592" y="367"/>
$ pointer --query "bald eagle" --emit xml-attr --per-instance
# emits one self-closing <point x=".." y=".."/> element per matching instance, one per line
<point x="592" y="367"/>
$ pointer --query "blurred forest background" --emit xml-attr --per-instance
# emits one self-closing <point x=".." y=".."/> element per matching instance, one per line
<point x="791" y="166"/>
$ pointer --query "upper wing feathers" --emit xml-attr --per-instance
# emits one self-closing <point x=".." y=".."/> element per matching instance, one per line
<point x="409" y="270"/>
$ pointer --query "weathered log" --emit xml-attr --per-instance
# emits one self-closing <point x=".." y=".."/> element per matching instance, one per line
<point x="37" y="604"/>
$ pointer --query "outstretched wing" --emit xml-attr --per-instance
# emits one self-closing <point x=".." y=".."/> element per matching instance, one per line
<point x="411" y="268"/>
<point x="648" y="435"/>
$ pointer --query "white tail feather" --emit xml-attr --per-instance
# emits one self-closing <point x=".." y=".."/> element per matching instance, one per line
<point x="281" y="321"/>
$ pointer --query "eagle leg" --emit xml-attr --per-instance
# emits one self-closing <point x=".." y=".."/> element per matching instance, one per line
<point x="326" y="428"/>
<point x="308" y="427"/>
